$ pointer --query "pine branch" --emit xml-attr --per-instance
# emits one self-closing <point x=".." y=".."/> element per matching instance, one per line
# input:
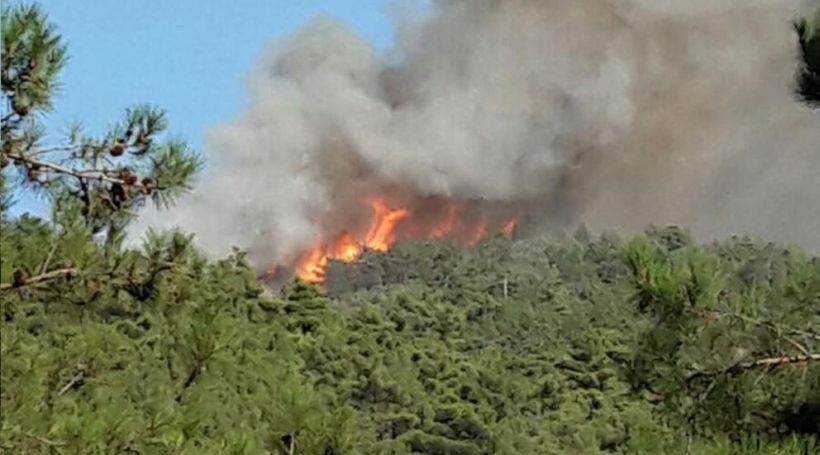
<point x="20" y="282"/>
<point x="803" y="350"/>
<point x="772" y="362"/>
<point x="189" y="381"/>
<point x="771" y="326"/>
<point x="199" y="364"/>
<point x="94" y="174"/>
<point x="767" y="363"/>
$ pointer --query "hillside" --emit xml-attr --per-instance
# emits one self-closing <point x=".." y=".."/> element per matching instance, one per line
<point x="569" y="343"/>
<point x="583" y="344"/>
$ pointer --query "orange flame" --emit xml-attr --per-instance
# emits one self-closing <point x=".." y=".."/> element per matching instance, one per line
<point x="345" y="248"/>
<point x="508" y="227"/>
<point x="449" y="224"/>
<point x="381" y="234"/>
<point x="382" y="231"/>
<point x="479" y="231"/>
<point x="311" y="267"/>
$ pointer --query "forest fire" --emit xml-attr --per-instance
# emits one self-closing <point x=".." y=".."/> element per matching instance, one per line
<point x="450" y="219"/>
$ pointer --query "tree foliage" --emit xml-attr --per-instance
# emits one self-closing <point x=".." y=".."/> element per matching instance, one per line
<point x="808" y="78"/>
<point x="569" y="344"/>
<point x="572" y="345"/>
<point x="102" y="181"/>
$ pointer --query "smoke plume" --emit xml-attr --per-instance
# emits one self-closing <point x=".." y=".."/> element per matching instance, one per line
<point x="612" y="113"/>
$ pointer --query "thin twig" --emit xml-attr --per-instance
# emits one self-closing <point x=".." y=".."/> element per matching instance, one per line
<point x="195" y="372"/>
<point x="92" y="173"/>
<point x="771" y="326"/>
<point x="289" y="443"/>
<point x="77" y="378"/>
<point x="48" y="276"/>
<point x="48" y="259"/>
<point x="803" y="350"/>
<point x="768" y="363"/>
<point x="8" y="117"/>
<point x="45" y="441"/>
<point x="57" y="148"/>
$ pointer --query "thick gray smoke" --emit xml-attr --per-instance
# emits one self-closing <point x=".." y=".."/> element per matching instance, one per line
<point x="614" y="113"/>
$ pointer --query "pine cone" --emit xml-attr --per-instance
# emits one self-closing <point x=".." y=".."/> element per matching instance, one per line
<point x="33" y="173"/>
<point x="147" y="185"/>
<point x="117" y="149"/>
<point x="18" y="278"/>
<point x="21" y="109"/>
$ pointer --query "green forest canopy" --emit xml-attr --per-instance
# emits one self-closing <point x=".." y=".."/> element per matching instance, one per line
<point x="571" y="344"/>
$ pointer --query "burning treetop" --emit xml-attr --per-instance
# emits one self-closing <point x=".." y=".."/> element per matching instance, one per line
<point x="388" y="224"/>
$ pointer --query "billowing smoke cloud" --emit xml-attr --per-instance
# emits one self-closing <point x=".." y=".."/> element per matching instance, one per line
<point x="614" y="113"/>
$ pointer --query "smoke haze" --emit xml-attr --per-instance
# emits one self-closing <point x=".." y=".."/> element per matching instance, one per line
<point x="612" y="113"/>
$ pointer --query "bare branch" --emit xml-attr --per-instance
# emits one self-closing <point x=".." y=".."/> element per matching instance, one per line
<point x="77" y="378"/>
<point x="57" y="148"/>
<point x="772" y="362"/>
<point x="80" y="376"/>
<point x="767" y="363"/>
<point x="48" y="276"/>
<point x="90" y="174"/>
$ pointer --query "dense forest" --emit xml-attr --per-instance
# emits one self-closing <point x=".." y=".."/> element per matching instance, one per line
<point x="570" y="343"/>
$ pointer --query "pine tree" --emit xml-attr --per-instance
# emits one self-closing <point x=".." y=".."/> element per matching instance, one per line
<point x="94" y="185"/>
<point x="102" y="180"/>
<point x="808" y="79"/>
<point x="575" y="344"/>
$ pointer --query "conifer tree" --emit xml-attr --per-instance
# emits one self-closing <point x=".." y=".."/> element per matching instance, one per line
<point x="581" y="344"/>
<point x="102" y="180"/>
<point x="808" y="79"/>
<point x="96" y="184"/>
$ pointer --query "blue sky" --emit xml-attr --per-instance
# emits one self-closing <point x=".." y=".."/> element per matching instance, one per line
<point x="189" y="57"/>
